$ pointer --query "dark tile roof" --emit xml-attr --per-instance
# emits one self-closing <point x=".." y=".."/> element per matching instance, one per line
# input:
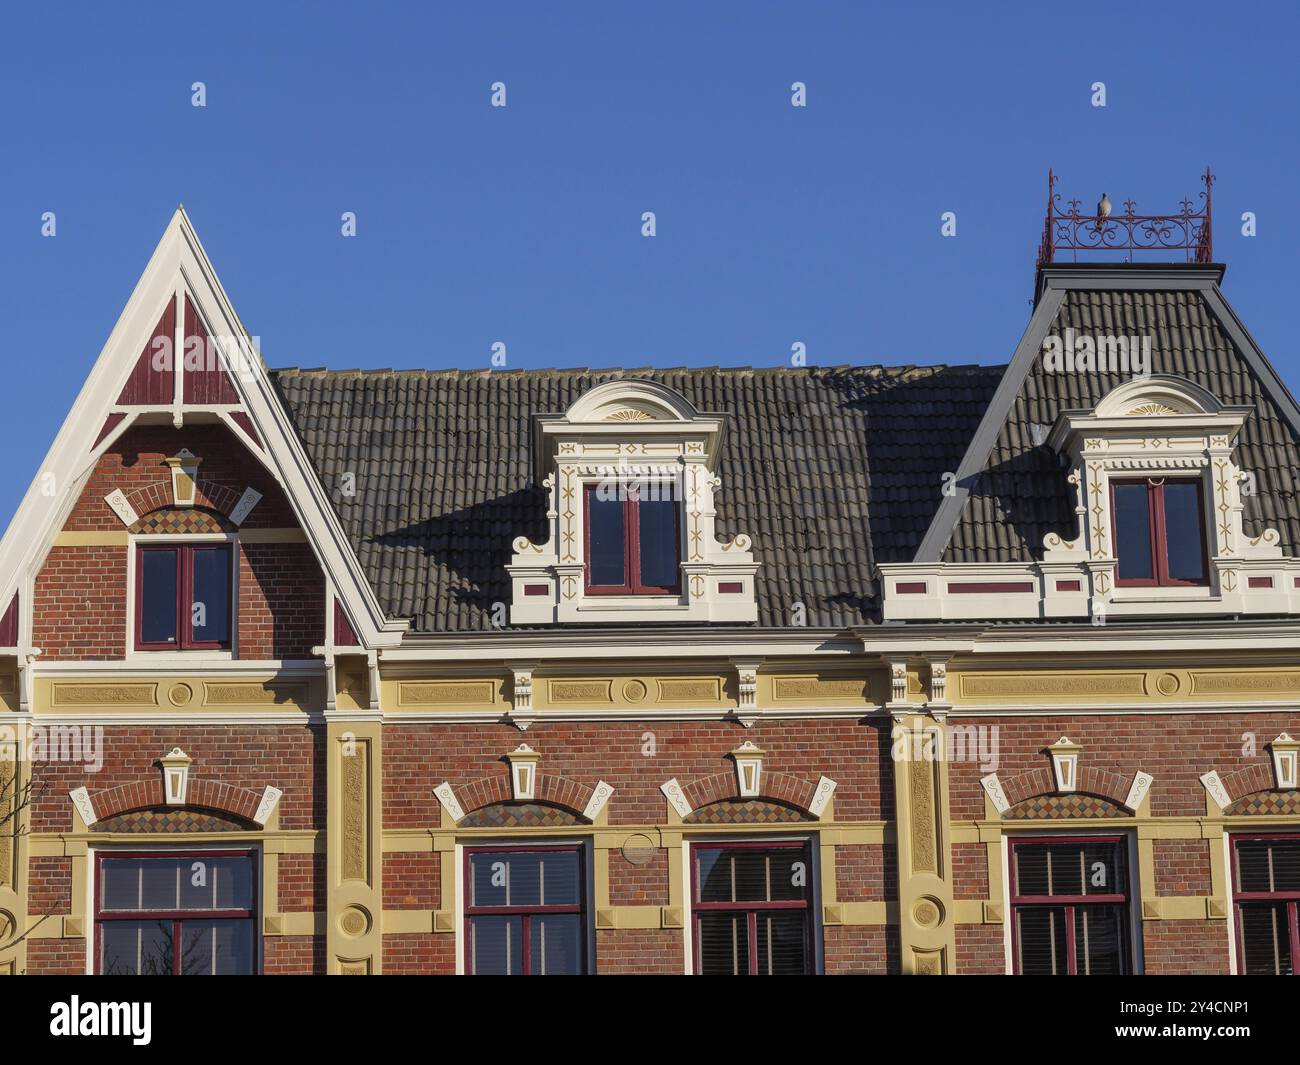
<point x="830" y="469"/>
<point x="1022" y="494"/>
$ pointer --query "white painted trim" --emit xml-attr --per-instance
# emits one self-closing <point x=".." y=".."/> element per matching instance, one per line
<point x="459" y="911"/>
<point x="688" y="911"/>
<point x="1233" y="962"/>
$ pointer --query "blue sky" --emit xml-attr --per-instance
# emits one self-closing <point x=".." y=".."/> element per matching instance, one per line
<point x="522" y="224"/>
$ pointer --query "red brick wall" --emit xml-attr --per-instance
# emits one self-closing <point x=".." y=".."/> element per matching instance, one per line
<point x="80" y="597"/>
<point x="970" y="871"/>
<point x="50" y="888"/>
<point x="80" y="594"/>
<point x="301" y="886"/>
<point x="419" y="953"/>
<point x="861" y="949"/>
<point x="412" y="881"/>
<point x="281" y="601"/>
<point x="980" y="949"/>
<point x="418" y="757"/>
<point x="1175" y="748"/>
<point x="293" y="955"/>
<point x="1185" y="947"/>
<point x="638" y="885"/>
<point x="1182" y="867"/>
<point x="624" y="951"/>
<point x="249" y="756"/>
<point x="866" y="872"/>
<point x="56" y="957"/>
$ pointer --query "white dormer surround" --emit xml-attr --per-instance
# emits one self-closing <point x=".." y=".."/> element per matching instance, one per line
<point x="1153" y="430"/>
<point x="641" y="437"/>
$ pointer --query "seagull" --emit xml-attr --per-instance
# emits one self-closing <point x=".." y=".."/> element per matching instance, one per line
<point x="1103" y="209"/>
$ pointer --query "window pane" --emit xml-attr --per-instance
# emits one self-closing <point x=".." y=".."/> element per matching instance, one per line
<point x="1133" y="532"/>
<point x="119" y="884"/>
<point x="1265" y="939"/>
<point x="210" y="610"/>
<point x="657" y="527"/>
<point x="1254" y="865"/>
<point x="607" y="538"/>
<point x="560" y="878"/>
<point x="1184" y="542"/>
<point x="224" y="883"/>
<point x="713" y="875"/>
<point x="1040" y="940"/>
<point x="135" y="948"/>
<point x="1099" y="939"/>
<point x="526" y="878"/>
<point x="724" y="944"/>
<point x="1086" y="868"/>
<point x="782" y="943"/>
<point x="555" y="945"/>
<point x="158" y="596"/>
<point x="496" y="946"/>
<point x="1268" y="865"/>
<point x="750" y="874"/>
<point x="159" y="883"/>
<point x="217" y="948"/>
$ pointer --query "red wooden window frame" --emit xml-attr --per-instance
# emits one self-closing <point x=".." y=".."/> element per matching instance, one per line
<point x="631" y="548"/>
<point x="526" y="913"/>
<point x="1291" y="899"/>
<point x="1069" y="902"/>
<point x="185" y="640"/>
<point x="1159" y="546"/>
<point x="177" y="917"/>
<point x="752" y="908"/>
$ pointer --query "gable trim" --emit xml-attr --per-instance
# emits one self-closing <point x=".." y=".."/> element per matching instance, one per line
<point x="180" y="264"/>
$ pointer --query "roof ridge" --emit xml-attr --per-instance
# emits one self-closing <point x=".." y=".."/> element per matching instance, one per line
<point x="552" y="371"/>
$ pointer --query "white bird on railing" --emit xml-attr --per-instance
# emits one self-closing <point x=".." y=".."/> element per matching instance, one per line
<point x="1103" y="209"/>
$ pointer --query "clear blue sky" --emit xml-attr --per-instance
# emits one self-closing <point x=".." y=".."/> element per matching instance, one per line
<point x="522" y="224"/>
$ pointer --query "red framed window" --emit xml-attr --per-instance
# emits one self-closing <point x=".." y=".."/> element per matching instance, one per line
<point x="183" y="913"/>
<point x="526" y="911"/>
<point x="1266" y="897"/>
<point x="633" y="540"/>
<point x="1070" y="907"/>
<point x="183" y="596"/>
<point x="752" y="908"/>
<point x="1158" y="532"/>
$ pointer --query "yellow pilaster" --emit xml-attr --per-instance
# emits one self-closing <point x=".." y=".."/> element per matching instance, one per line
<point x="926" y="914"/>
<point x="14" y="824"/>
<point x="354" y="847"/>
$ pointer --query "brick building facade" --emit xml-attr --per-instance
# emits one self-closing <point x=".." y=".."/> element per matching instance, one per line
<point x="842" y="670"/>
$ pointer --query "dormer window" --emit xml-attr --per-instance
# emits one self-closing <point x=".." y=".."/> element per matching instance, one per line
<point x="631" y="474"/>
<point x="1159" y="532"/>
<point x="633" y="542"/>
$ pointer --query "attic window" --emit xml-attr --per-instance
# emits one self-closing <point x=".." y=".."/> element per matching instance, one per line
<point x="1159" y="532"/>
<point x="633" y="540"/>
<point x="631" y="470"/>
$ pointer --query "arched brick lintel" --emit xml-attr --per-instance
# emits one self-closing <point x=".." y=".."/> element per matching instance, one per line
<point x="552" y="789"/>
<point x="1102" y="783"/>
<point x="208" y="494"/>
<point x="203" y="793"/>
<point x="1258" y="776"/>
<point x="777" y="787"/>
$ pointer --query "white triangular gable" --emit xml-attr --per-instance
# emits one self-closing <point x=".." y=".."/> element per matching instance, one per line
<point x="180" y="268"/>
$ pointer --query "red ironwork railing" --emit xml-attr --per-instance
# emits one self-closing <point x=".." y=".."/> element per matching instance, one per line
<point x="1074" y="231"/>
